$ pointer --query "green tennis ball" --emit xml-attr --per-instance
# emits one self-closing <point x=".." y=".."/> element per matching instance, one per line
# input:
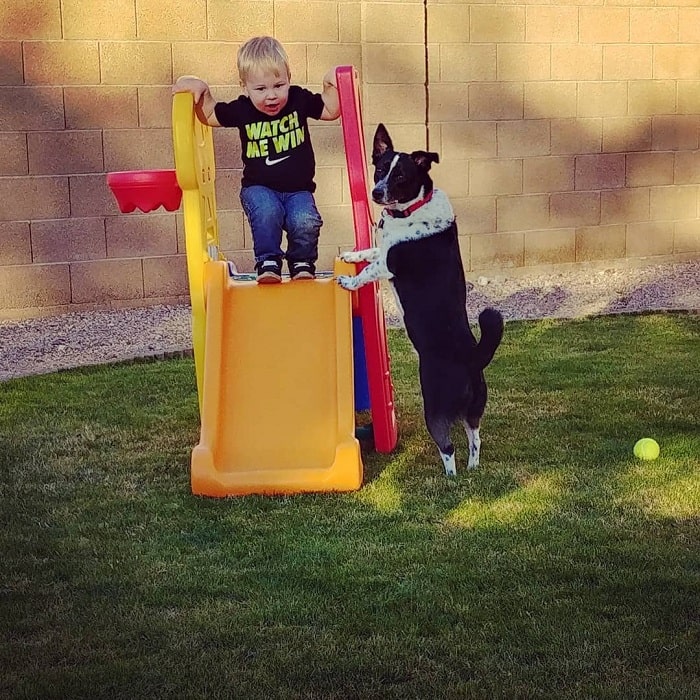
<point x="646" y="448"/>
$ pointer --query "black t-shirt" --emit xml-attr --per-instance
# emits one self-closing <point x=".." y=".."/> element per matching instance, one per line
<point x="277" y="150"/>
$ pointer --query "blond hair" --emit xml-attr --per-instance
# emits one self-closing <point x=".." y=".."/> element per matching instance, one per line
<point x="262" y="53"/>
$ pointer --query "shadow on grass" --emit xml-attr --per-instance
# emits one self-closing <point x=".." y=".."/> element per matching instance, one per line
<point x="562" y="567"/>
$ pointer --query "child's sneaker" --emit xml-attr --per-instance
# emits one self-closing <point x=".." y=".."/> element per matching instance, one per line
<point x="302" y="270"/>
<point x="269" y="271"/>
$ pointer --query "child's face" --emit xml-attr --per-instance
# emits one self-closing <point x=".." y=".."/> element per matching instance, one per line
<point x="268" y="92"/>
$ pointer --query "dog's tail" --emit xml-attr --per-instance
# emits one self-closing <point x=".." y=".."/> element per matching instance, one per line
<point x="491" y="324"/>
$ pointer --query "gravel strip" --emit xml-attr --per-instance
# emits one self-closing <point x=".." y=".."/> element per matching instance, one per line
<point x="40" y="345"/>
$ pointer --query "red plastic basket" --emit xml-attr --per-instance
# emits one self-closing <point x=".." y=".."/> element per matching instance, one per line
<point x="145" y="189"/>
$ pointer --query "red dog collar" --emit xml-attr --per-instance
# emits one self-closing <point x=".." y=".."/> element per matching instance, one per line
<point x="403" y="213"/>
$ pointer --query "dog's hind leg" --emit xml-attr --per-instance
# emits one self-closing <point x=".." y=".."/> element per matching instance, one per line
<point x="439" y="430"/>
<point x="472" y="428"/>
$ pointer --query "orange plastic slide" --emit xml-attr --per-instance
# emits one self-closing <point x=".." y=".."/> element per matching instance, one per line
<point x="278" y="403"/>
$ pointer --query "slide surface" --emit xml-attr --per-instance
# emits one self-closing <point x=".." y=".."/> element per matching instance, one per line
<point x="278" y="399"/>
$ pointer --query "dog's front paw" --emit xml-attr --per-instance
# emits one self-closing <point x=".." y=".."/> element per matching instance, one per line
<point x="347" y="282"/>
<point x="351" y="256"/>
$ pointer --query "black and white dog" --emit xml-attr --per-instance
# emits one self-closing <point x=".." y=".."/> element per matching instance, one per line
<point x="420" y="254"/>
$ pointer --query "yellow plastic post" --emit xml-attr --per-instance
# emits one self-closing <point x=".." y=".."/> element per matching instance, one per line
<point x="193" y="147"/>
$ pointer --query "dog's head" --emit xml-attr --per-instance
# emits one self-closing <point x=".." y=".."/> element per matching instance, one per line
<point x="399" y="177"/>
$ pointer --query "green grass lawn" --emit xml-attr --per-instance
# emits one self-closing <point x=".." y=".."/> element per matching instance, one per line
<point x="561" y="568"/>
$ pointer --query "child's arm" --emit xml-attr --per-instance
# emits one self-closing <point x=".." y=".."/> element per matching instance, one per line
<point x="204" y="102"/>
<point x="331" y="102"/>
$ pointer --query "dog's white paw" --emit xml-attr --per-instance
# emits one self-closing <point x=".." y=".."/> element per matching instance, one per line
<point x="351" y="256"/>
<point x="449" y="464"/>
<point x="347" y="282"/>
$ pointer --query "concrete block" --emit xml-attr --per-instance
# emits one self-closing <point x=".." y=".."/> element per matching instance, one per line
<point x="65" y="152"/>
<point x="495" y="176"/>
<point x="135" y="63"/>
<point x="574" y="209"/>
<point x="138" y="149"/>
<point x="86" y="19"/>
<point x="675" y="132"/>
<point x="213" y="61"/>
<point x="329" y="186"/>
<point x="652" y="97"/>
<point x="475" y="214"/>
<point x="499" y="250"/>
<point x="529" y="137"/>
<point x="394" y="103"/>
<point x="350" y="22"/>
<point x="327" y="138"/>
<point x="15" y="243"/>
<point x="689" y="96"/>
<point x="453" y="178"/>
<point x="66" y="240"/>
<point x="380" y="20"/>
<point x="604" y="99"/>
<point x="600" y="243"/>
<point x="604" y="25"/>
<point x="550" y="100"/>
<point x="676" y="61"/>
<point x="100" y="107"/>
<point x="171" y="19"/>
<point x="31" y="109"/>
<point x="449" y="103"/>
<point x="649" y="238"/>
<point x="576" y="135"/>
<point x="337" y="227"/>
<point x="623" y="206"/>
<point x="552" y="247"/>
<point x="11" y="71"/>
<point x="102" y="281"/>
<point x="61" y="62"/>
<point x="552" y="23"/>
<point x="135" y="236"/>
<point x="497" y="24"/>
<point x="238" y="20"/>
<point x="90" y="196"/>
<point x="227" y="149"/>
<point x="686" y="168"/>
<point x="524" y="62"/>
<point x="155" y="107"/>
<point x="13" y="146"/>
<point x="228" y="189"/>
<point x="463" y="140"/>
<point x="688" y="24"/>
<point x="231" y="231"/>
<point x="465" y="63"/>
<point x="625" y="134"/>
<point x="32" y="198"/>
<point x="673" y="203"/>
<point x="548" y="174"/>
<point x="392" y="63"/>
<point x="524" y="212"/>
<point x="448" y="24"/>
<point x="600" y="172"/>
<point x="321" y="57"/>
<point x="38" y="19"/>
<point x="34" y="286"/>
<point x="654" y="25"/>
<point x="644" y="169"/>
<point x="686" y="237"/>
<point x="165" y="276"/>
<point x="627" y="62"/>
<point x="310" y="21"/>
<point x="496" y="101"/>
<point x="577" y="61"/>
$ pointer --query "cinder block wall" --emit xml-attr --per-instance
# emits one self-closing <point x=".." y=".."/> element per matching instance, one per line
<point x="568" y="133"/>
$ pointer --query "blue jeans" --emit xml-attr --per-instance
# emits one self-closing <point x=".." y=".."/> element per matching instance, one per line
<point x="270" y="212"/>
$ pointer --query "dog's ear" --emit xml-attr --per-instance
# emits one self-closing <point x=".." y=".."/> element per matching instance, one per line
<point x="382" y="143"/>
<point x="423" y="159"/>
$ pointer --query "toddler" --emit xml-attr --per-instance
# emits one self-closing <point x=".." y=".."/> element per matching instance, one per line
<point x="278" y="159"/>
